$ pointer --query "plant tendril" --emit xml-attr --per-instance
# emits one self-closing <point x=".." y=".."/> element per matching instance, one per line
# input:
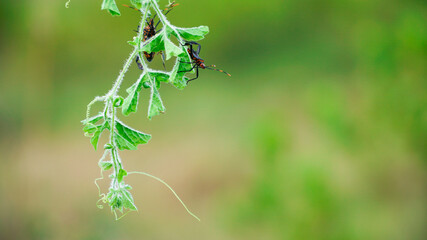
<point x="170" y="188"/>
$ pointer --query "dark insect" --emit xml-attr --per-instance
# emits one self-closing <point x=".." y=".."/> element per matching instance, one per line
<point x="197" y="61"/>
<point x="150" y="31"/>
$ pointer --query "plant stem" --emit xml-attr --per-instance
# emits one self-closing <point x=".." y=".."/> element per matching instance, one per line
<point x="109" y="101"/>
<point x="132" y="56"/>
<point x="114" y="182"/>
<point x="121" y="76"/>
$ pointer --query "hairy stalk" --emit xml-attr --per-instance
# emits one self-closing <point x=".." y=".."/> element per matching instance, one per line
<point x="97" y="99"/>
<point x="114" y="182"/>
<point x="110" y="98"/>
<point x="129" y="61"/>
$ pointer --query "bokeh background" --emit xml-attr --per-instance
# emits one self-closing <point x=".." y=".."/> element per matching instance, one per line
<point x="321" y="132"/>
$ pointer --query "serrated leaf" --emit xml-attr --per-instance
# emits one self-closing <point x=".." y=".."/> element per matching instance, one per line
<point x="160" y="76"/>
<point x="182" y="66"/>
<point x="122" y="143"/>
<point x="136" y="3"/>
<point x="115" y="199"/>
<point x="111" y="6"/>
<point x="105" y="165"/>
<point x="155" y="106"/>
<point x="122" y="173"/>
<point x="135" y="136"/>
<point x="170" y="48"/>
<point x="128" y="201"/>
<point x="130" y="103"/>
<point x="95" y="137"/>
<point x="128" y="138"/>
<point x="154" y="44"/>
<point x="177" y="78"/>
<point x="90" y="128"/>
<point x="193" y="34"/>
<point x="161" y="42"/>
<point x="93" y="119"/>
<point x="147" y="85"/>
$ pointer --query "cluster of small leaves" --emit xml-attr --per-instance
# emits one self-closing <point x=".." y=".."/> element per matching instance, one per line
<point x="121" y="136"/>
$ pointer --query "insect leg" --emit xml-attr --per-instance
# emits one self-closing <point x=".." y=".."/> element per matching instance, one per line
<point x="219" y="70"/>
<point x="169" y="9"/>
<point x="197" y="75"/>
<point x="191" y="46"/>
<point x="163" y="60"/>
<point x="138" y="63"/>
<point x="195" y="65"/>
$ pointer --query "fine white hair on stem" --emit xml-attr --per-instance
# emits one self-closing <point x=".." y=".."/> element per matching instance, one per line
<point x="89" y="106"/>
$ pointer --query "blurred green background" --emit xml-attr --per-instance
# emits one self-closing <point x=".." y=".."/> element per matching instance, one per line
<point x="321" y="132"/>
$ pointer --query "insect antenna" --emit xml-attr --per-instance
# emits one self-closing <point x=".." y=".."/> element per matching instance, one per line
<point x="167" y="9"/>
<point x="213" y="67"/>
<point x="134" y="8"/>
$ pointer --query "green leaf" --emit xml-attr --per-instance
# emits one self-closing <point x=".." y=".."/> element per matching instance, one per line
<point x="170" y="48"/>
<point x="94" y="119"/>
<point x="108" y="146"/>
<point x="115" y="199"/>
<point x="121" y="198"/>
<point x="105" y="165"/>
<point x="111" y="6"/>
<point x="193" y="34"/>
<point x="137" y="3"/>
<point x="90" y="129"/>
<point x="128" y="138"/>
<point x="130" y="104"/>
<point x="123" y="143"/>
<point x="181" y="67"/>
<point x="161" y="42"/>
<point x="178" y="79"/>
<point x="154" y="44"/>
<point x="122" y="173"/>
<point x="135" y="136"/>
<point x="95" y="138"/>
<point x="147" y="85"/>
<point x="128" y="201"/>
<point x="94" y="131"/>
<point x="155" y="106"/>
<point x="160" y="76"/>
